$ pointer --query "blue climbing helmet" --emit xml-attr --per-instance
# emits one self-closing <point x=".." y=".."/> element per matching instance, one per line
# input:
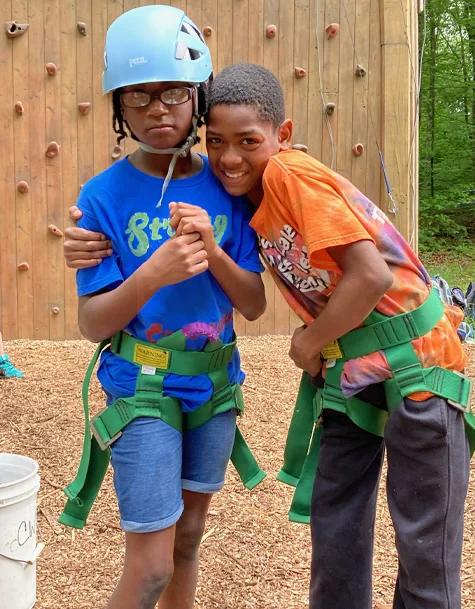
<point x="159" y="44"/>
<point x="154" y="44"/>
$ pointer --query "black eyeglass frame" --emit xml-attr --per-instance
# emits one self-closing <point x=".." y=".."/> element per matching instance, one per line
<point x="158" y="96"/>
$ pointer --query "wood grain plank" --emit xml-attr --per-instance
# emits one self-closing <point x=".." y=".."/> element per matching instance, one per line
<point x="38" y="186"/>
<point x="54" y="178"/>
<point x="8" y="254"/>
<point x="21" y="126"/>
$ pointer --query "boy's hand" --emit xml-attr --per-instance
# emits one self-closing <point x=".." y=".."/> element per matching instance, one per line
<point x="186" y="219"/>
<point x="179" y="258"/>
<point x="83" y="248"/>
<point x="301" y="353"/>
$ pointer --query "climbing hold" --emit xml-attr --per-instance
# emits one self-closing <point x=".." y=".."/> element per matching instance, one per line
<point x="22" y="187"/>
<point x="80" y="186"/>
<point x="332" y="30"/>
<point x="329" y="108"/>
<point x="14" y="29"/>
<point x="23" y="266"/>
<point x="55" y="310"/>
<point x="52" y="150"/>
<point x="271" y="31"/>
<point x="358" y="149"/>
<point x="54" y="230"/>
<point x="300" y="147"/>
<point x="116" y="152"/>
<point x="84" y="107"/>
<point x="82" y="28"/>
<point x="51" y="68"/>
<point x="19" y="107"/>
<point x="300" y="72"/>
<point x="360" y="71"/>
<point x="207" y="31"/>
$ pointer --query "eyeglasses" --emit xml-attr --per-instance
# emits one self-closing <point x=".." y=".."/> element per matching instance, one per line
<point x="170" y="97"/>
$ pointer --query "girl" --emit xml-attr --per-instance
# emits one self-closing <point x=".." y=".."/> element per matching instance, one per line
<point x="156" y="284"/>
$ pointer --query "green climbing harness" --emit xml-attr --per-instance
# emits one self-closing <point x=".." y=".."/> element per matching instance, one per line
<point x="393" y="336"/>
<point x="155" y="361"/>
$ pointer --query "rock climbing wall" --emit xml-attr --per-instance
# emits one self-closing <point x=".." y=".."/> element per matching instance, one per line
<point x="350" y="76"/>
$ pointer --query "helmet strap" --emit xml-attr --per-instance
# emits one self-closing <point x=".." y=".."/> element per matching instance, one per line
<point x="176" y="152"/>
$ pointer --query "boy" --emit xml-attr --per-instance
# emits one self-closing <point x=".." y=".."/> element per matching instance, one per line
<point x="340" y="262"/>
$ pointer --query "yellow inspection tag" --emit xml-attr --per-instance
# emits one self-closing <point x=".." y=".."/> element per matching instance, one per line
<point x="148" y="356"/>
<point x="332" y="350"/>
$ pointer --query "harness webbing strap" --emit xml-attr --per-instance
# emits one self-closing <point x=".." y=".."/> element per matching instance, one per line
<point x="381" y="332"/>
<point x="149" y="401"/>
<point x="174" y="359"/>
<point x="393" y="336"/>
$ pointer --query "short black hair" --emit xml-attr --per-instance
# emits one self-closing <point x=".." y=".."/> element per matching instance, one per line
<point x="252" y="85"/>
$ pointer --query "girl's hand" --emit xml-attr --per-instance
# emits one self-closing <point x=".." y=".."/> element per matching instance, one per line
<point x="179" y="258"/>
<point x="83" y="248"/>
<point x="186" y="219"/>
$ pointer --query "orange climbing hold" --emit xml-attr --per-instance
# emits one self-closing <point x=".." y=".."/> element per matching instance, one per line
<point x="14" y="29"/>
<point x="54" y="230"/>
<point x="52" y="150"/>
<point x="23" y="266"/>
<point x="330" y="108"/>
<point x="116" y="152"/>
<point x="207" y="31"/>
<point x="22" y="187"/>
<point x="300" y="72"/>
<point x="82" y="28"/>
<point x="51" y="68"/>
<point x="19" y="107"/>
<point x="84" y="107"/>
<point x="332" y="30"/>
<point x="271" y="31"/>
<point x="358" y="149"/>
<point x="360" y="71"/>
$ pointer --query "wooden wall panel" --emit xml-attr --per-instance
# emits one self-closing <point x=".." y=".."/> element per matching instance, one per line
<point x="378" y="110"/>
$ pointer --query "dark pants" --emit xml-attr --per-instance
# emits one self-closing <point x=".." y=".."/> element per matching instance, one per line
<point x="428" y="470"/>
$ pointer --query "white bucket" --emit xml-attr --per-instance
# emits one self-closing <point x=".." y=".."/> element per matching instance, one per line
<point x="19" y="485"/>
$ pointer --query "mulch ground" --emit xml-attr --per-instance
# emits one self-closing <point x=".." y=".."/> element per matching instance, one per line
<point x="252" y="557"/>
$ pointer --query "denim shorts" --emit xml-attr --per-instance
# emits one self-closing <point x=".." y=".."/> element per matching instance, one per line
<point x="153" y="462"/>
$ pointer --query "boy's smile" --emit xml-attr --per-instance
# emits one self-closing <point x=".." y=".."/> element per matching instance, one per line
<point x="239" y="145"/>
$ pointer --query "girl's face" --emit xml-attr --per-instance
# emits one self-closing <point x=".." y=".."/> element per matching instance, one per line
<point x="159" y="124"/>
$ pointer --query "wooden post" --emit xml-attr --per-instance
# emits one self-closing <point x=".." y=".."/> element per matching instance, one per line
<point x="397" y="119"/>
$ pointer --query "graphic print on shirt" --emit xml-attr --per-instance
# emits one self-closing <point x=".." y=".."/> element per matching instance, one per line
<point x="289" y="258"/>
<point x="141" y="230"/>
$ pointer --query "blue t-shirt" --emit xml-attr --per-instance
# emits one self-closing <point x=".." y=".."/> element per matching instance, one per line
<point x="121" y="202"/>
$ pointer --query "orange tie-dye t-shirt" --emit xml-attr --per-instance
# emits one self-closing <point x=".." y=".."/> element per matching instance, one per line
<point x="308" y="208"/>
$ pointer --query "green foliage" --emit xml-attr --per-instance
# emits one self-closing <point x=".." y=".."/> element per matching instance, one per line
<point x="447" y="119"/>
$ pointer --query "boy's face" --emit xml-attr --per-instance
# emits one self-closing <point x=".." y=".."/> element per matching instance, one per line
<point x="239" y="146"/>
<point x="158" y="124"/>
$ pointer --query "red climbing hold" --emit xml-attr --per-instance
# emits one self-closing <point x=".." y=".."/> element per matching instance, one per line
<point x="330" y="108"/>
<point x="14" y="29"/>
<point x="332" y="30"/>
<point x="116" y="152"/>
<point x="300" y="72"/>
<point x="22" y="187"/>
<point x="207" y="31"/>
<point x="82" y="28"/>
<point x="54" y="230"/>
<point x="51" y="68"/>
<point x="84" y="107"/>
<point x="271" y="31"/>
<point x="360" y="71"/>
<point x="19" y="107"/>
<point x="52" y="150"/>
<point x="23" y="266"/>
<point x="358" y="149"/>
